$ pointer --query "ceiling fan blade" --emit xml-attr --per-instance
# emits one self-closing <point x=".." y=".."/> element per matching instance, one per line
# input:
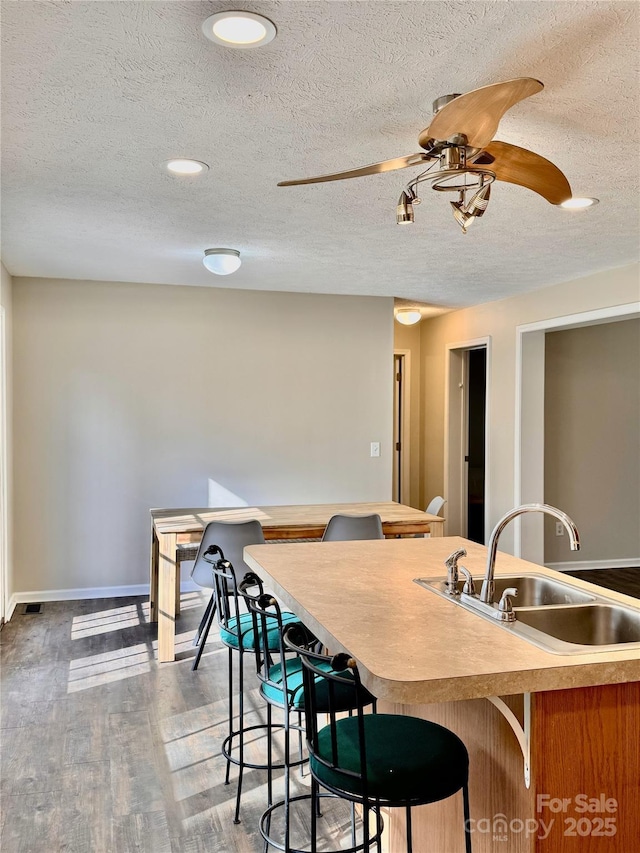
<point x="520" y="166"/>
<point x="373" y="169"/>
<point x="478" y="113"/>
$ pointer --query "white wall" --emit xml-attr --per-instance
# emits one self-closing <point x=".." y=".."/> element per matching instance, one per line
<point x="592" y="440"/>
<point x="499" y="320"/>
<point x="6" y="520"/>
<point x="131" y="396"/>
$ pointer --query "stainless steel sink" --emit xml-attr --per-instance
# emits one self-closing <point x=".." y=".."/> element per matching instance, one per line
<point x="591" y="625"/>
<point x="533" y="590"/>
<point x="558" y="617"/>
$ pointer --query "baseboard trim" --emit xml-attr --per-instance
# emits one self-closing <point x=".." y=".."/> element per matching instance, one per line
<point x="625" y="563"/>
<point x="83" y="593"/>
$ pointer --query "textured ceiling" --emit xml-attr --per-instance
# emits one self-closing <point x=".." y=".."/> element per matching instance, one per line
<point x="97" y="95"/>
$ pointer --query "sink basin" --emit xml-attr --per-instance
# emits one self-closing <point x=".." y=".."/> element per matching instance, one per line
<point x="533" y="590"/>
<point x="555" y="616"/>
<point x="589" y="625"/>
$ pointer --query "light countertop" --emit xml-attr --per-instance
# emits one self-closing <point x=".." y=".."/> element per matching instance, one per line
<point x="412" y="646"/>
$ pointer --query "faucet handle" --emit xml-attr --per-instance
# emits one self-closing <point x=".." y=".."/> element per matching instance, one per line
<point x="505" y="605"/>
<point x="469" y="587"/>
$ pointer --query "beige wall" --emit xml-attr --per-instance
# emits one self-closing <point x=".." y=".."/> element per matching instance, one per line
<point x="592" y="439"/>
<point x="499" y="321"/>
<point x="407" y="338"/>
<point x="130" y="396"/>
<point x="6" y="477"/>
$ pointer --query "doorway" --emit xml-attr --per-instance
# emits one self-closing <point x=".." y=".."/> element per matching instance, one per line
<point x="466" y="439"/>
<point x="529" y="417"/>
<point x="476" y="408"/>
<point x="401" y="414"/>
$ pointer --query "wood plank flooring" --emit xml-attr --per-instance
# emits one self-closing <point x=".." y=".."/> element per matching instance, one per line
<point x="105" y="750"/>
<point x="626" y="581"/>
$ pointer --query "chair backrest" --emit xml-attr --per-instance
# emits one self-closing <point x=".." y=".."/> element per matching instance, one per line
<point x="344" y="528"/>
<point x="323" y="688"/>
<point x="231" y="538"/>
<point x="435" y="505"/>
<point x="225" y="591"/>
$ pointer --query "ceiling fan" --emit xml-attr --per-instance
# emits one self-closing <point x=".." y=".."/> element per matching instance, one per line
<point x="459" y="141"/>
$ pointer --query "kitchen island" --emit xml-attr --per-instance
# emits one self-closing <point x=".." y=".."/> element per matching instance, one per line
<point x="570" y="722"/>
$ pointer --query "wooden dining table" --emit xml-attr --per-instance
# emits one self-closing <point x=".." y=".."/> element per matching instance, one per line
<point x="172" y="529"/>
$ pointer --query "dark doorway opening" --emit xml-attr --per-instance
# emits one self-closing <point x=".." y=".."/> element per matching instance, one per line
<point x="475" y="458"/>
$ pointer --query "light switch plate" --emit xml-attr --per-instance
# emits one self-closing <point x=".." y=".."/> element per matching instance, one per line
<point x="375" y="448"/>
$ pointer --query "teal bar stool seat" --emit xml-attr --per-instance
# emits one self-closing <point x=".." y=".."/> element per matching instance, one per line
<point x="377" y="760"/>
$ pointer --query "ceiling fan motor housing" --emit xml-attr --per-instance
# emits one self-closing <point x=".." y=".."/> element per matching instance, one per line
<point x="441" y="102"/>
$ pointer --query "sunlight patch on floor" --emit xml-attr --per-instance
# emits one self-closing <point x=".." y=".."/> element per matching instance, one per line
<point x="103" y="668"/>
<point x="105" y="621"/>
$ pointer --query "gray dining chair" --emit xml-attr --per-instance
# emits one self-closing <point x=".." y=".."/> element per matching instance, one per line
<point x="231" y="537"/>
<point x="435" y="505"/>
<point x="345" y="528"/>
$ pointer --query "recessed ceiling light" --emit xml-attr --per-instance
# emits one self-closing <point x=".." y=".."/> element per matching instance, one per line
<point x="239" y="29"/>
<point x="408" y="316"/>
<point x="578" y="203"/>
<point x="222" y="261"/>
<point x="186" y="167"/>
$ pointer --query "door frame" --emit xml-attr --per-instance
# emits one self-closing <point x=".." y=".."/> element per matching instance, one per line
<point x="405" y="424"/>
<point x="528" y="473"/>
<point x="454" y="435"/>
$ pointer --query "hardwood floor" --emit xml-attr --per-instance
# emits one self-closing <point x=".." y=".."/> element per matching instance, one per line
<point x="626" y="581"/>
<point x="105" y="750"/>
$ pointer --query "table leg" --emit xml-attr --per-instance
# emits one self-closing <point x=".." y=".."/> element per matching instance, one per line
<point x="167" y="597"/>
<point x="437" y="528"/>
<point x="177" y="593"/>
<point x="153" y="577"/>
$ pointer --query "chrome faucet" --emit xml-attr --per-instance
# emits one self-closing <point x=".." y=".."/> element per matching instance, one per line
<point x="451" y="584"/>
<point x="488" y="585"/>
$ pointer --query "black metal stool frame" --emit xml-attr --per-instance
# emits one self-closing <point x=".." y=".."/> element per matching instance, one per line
<point x="265" y="610"/>
<point x="340" y="663"/>
<point x="227" y="607"/>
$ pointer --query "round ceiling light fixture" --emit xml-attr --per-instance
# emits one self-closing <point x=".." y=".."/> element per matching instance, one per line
<point x="239" y="29"/>
<point x="408" y="316"/>
<point x="578" y="203"/>
<point x="184" y="166"/>
<point x="222" y="261"/>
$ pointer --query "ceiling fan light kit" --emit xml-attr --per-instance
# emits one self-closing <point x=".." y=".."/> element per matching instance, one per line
<point x="222" y="261"/>
<point x="460" y="142"/>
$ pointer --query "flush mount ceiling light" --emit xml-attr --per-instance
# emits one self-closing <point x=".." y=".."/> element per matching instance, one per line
<point x="239" y="29"/>
<point x="183" y="166"/>
<point x="222" y="261"/>
<point x="464" y="158"/>
<point x="579" y="203"/>
<point x="408" y="316"/>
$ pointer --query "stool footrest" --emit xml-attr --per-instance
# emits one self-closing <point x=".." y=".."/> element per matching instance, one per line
<point x="227" y="747"/>
<point x="266" y="818"/>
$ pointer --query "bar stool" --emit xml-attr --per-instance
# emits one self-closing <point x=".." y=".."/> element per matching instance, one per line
<point x="281" y="687"/>
<point x="237" y="633"/>
<point x="376" y="760"/>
